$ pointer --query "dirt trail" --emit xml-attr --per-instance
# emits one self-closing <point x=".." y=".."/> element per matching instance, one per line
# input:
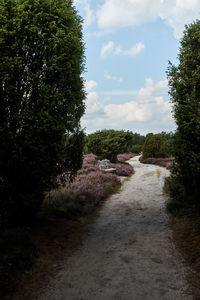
<point x="128" y="253"/>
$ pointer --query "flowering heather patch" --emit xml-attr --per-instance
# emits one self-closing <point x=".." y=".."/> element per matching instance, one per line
<point x="125" y="156"/>
<point x="123" y="169"/>
<point x="162" y="162"/>
<point x="85" y="192"/>
<point x="89" y="164"/>
<point x="89" y="159"/>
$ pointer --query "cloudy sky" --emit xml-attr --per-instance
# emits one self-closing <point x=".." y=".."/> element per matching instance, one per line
<point x="128" y="46"/>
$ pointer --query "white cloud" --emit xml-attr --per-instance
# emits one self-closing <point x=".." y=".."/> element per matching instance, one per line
<point x="106" y="100"/>
<point x="89" y="16"/>
<point x="128" y="112"/>
<point x="107" y="49"/>
<point x="90" y="85"/>
<point x="148" y="107"/>
<point x="114" y="14"/>
<point x="110" y="47"/>
<point x="109" y="77"/>
<point x="118" y="93"/>
<point x="139" y="47"/>
<point x="92" y="104"/>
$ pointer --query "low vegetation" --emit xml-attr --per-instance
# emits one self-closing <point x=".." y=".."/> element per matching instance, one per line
<point x="124" y="157"/>
<point x="81" y="196"/>
<point x="22" y="248"/>
<point x="162" y="162"/>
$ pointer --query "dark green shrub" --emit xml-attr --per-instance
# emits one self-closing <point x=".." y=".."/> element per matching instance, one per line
<point x="185" y="95"/>
<point x="136" y="149"/>
<point x="154" y="146"/>
<point x="41" y="89"/>
<point x="107" y="144"/>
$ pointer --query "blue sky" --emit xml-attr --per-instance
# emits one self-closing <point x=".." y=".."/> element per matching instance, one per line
<point x="128" y="45"/>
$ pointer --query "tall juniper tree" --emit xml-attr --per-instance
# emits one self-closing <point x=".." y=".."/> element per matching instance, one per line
<point x="184" y="82"/>
<point x="41" y="90"/>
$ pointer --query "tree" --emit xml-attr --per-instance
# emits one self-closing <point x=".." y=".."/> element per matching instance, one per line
<point x="41" y="61"/>
<point x="154" y="146"/>
<point x="184" y="82"/>
<point x="107" y="144"/>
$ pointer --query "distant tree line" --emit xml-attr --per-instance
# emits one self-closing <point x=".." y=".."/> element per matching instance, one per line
<point x="109" y="143"/>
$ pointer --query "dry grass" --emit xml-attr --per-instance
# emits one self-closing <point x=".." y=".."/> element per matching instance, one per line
<point x="186" y="233"/>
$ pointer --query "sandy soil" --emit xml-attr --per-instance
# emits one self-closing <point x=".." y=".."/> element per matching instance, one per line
<point x="128" y="252"/>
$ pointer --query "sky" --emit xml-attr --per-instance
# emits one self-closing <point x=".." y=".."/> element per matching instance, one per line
<point x="128" y="44"/>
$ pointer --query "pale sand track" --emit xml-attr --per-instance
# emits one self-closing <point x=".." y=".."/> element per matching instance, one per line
<point x="127" y="253"/>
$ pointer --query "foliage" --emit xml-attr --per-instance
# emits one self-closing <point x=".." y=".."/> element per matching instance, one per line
<point x="122" y="169"/>
<point x="154" y="146"/>
<point x="107" y="144"/>
<point x="169" y="141"/>
<point x="137" y="149"/>
<point x="41" y="61"/>
<point x="162" y="162"/>
<point x="184" y="83"/>
<point x="80" y="197"/>
<point x="125" y="156"/>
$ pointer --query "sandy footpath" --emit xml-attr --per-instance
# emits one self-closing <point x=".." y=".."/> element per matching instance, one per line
<point x="127" y="253"/>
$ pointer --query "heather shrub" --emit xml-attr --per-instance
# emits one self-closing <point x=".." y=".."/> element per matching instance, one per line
<point x="123" y="169"/>
<point x="83" y="194"/>
<point x="125" y="156"/>
<point x="162" y="162"/>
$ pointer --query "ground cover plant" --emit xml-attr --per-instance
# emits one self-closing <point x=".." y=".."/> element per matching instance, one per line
<point x="89" y="187"/>
<point x="125" y="156"/>
<point x="162" y="162"/>
<point x="122" y="169"/>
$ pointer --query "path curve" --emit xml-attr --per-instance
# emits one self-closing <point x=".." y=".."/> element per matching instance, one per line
<point x="128" y="253"/>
